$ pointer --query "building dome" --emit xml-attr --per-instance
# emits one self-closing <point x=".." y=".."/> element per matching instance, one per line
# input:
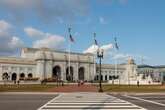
<point x="39" y="55"/>
<point x="49" y="55"/>
<point x="131" y="61"/>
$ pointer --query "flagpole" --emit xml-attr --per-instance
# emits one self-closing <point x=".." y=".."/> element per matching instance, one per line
<point x="69" y="29"/>
<point x="94" y="70"/>
<point x="116" y="66"/>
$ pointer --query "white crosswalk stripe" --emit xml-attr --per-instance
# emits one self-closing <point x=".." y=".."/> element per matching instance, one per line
<point x="88" y="101"/>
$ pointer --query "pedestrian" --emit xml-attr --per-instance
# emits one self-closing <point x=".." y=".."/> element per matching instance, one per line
<point x="82" y="82"/>
<point x="138" y="83"/>
<point x="14" y="81"/>
<point x="78" y="83"/>
<point x="62" y="83"/>
<point x="18" y="82"/>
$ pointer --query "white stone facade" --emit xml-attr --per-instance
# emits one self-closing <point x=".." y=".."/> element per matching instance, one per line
<point x="118" y="74"/>
<point x="46" y="63"/>
<point x="39" y="64"/>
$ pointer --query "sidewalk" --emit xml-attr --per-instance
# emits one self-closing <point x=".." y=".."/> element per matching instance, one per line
<point x="75" y="88"/>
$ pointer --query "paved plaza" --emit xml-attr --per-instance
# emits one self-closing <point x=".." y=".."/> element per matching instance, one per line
<point x="75" y="88"/>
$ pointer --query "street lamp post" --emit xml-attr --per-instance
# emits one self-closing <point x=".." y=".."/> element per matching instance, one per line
<point x="100" y="56"/>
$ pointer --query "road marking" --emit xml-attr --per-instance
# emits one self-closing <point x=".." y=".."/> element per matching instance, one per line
<point x="157" y="103"/>
<point x="50" y="101"/>
<point x="88" y="101"/>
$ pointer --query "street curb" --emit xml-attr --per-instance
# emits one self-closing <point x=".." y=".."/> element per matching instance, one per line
<point x="30" y="93"/>
<point x="57" y="93"/>
<point x="41" y="93"/>
<point x="132" y="93"/>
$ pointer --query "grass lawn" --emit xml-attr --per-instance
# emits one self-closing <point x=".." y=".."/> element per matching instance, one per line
<point x="25" y="88"/>
<point x="134" y="88"/>
<point x="106" y="88"/>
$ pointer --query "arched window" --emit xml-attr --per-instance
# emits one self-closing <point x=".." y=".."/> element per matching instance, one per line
<point x="114" y="77"/>
<point x="81" y="73"/>
<point x="5" y="76"/>
<point x="110" y="77"/>
<point x="56" y="73"/>
<point x="69" y="75"/>
<point x="106" y="77"/>
<point x="14" y="77"/>
<point x="22" y="75"/>
<point x="30" y="75"/>
<point x="101" y="77"/>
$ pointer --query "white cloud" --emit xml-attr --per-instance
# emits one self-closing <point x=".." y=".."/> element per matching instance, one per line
<point x="9" y="44"/>
<point x="16" y="43"/>
<point x="93" y="49"/>
<point x="4" y="26"/>
<point x="49" y="10"/>
<point x="53" y="41"/>
<point x="121" y="56"/>
<point x="139" y="59"/>
<point x="34" y="33"/>
<point x="47" y="40"/>
<point x="107" y="47"/>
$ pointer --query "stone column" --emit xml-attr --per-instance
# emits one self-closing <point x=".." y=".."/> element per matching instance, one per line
<point x="41" y="69"/>
<point x="48" y="68"/>
<point x="75" y="71"/>
<point x="63" y="71"/>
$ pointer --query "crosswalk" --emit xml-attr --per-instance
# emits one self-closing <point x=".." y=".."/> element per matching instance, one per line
<point x="88" y="101"/>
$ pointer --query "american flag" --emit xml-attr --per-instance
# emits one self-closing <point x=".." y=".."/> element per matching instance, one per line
<point x="96" y="43"/>
<point x="70" y="36"/>
<point x="116" y="45"/>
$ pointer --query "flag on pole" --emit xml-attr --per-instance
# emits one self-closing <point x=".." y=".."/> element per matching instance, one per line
<point x="70" y="36"/>
<point x="96" y="43"/>
<point x="116" y="45"/>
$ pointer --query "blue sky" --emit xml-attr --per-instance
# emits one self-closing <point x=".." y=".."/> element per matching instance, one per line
<point x="139" y="26"/>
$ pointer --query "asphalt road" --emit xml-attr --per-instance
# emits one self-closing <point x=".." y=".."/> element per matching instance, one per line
<point x="150" y="102"/>
<point x="34" y="101"/>
<point x="23" y="101"/>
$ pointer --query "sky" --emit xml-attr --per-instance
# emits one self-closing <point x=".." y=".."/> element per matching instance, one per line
<point x="139" y="26"/>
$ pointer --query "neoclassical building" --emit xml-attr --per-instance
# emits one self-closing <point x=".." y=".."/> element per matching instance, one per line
<point x="130" y="73"/>
<point x="120" y="73"/>
<point x="46" y="63"/>
<point x="39" y="64"/>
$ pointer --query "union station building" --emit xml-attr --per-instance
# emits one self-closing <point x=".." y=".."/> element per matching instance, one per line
<point x="36" y="65"/>
<point x="45" y="63"/>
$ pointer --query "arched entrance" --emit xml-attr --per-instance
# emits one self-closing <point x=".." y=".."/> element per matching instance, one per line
<point x="14" y="77"/>
<point x="22" y="76"/>
<point x="81" y="73"/>
<point x="69" y="77"/>
<point x="5" y="76"/>
<point x="56" y="72"/>
<point x="30" y="75"/>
